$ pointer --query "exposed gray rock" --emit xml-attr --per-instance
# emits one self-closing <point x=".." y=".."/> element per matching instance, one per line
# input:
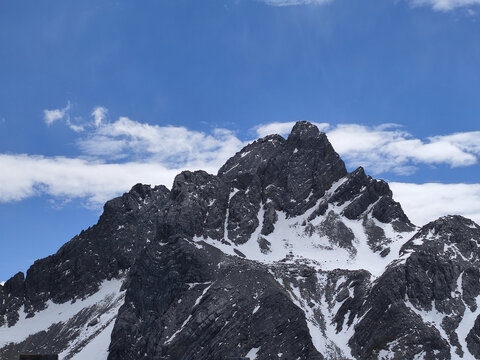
<point x="186" y="302"/>
<point x="435" y="278"/>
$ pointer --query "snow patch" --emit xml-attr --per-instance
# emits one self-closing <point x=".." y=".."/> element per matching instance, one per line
<point x="432" y="317"/>
<point x="252" y="354"/>
<point x="97" y="349"/>
<point x="291" y="239"/>
<point x="179" y="330"/>
<point x="467" y="323"/>
<point x="233" y="167"/>
<point x="420" y="356"/>
<point x="388" y="354"/>
<point x="203" y="294"/>
<point x="92" y="339"/>
<point x="225" y="231"/>
<point x="109" y="292"/>
<point x="210" y="204"/>
<point x="324" y="336"/>
<point x="192" y="285"/>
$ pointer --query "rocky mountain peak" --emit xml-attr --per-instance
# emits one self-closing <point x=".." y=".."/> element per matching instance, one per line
<point x="283" y="254"/>
<point x="452" y="235"/>
<point x="305" y="145"/>
<point x="450" y="229"/>
<point x="451" y="224"/>
<point x="292" y="174"/>
<point x="305" y="135"/>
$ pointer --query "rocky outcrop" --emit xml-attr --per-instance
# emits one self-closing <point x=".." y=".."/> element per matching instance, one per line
<point x="76" y="272"/>
<point x="419" y="306"/>
<point x="192" y="301"/>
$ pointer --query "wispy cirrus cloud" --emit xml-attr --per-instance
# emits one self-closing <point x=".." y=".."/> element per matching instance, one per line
<point x="294" y="2"/>
<point x="438" y="5"/>
<point x="78" y="124"/>
<point x="51" y="116"/>
<point x="63" y="114"/>
<point x="445" y="5"/>
<point x="99" y="113"/>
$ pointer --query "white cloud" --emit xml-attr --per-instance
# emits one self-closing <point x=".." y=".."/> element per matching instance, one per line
<point x="426" y="202"/>
<point x="466" y="141"/>
<point x="294" y="2"/>
<point x="25" y="176"/>
<point x="99" y="114"/>
<point x="281" y="128"/>
<point x="78" y="124"/>
<point x="389" y="148"/>
<point x="68" y="178"/>
<point x="171" y="145"/>
<point x="445" y="5"/>
<point x="438" y="5"/>
<point x="115" y="156"/>
<point x="50" y="116"/>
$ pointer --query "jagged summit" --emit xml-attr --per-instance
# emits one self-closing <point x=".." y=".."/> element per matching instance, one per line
<point x="283" y="254"/>
<point x="305" y="135"/>
<point x="453" y="235"/>
<point x="450" y="223"/>
<point x="305" y="140"/>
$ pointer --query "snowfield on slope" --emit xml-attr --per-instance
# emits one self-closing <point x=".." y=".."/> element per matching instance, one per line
<point x="101" y="307"/>
<point x="292" y="240"/>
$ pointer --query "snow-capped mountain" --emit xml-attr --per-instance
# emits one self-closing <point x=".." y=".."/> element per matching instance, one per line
<point x="281" y="255"/>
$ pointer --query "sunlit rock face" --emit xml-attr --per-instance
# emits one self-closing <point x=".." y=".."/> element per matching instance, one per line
<point x="283" y="254"/>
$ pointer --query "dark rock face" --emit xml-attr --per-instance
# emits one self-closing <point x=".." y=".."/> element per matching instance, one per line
<point x="293" y="174"/>
<point x="101" y="252"/>
<point x="205" y="306"/>
<point x="12" y="294"/>
<point x="281" y="255"/>
<point x="39" y="357"/>
<point x="430" y="290"/>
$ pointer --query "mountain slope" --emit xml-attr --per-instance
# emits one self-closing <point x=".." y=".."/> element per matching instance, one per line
<point x="281" y="255"/>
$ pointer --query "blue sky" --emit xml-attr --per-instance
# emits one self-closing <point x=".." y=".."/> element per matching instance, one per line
<point x="98" y="95"/>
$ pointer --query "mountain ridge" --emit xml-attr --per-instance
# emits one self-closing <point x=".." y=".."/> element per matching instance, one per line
<point x="283" y="243"/>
